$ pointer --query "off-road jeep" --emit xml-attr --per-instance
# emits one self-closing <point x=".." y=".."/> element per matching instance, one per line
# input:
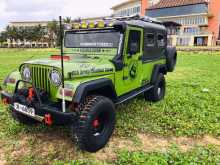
<point x="105" y="64"/>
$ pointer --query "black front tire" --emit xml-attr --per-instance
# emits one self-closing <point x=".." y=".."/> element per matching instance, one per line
<point x="96" y="123"/>
<point x="157" y="93"/>
<point x="23" y="119"/>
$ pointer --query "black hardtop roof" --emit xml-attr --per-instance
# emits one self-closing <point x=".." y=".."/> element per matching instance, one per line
<point x="144" y="22"/>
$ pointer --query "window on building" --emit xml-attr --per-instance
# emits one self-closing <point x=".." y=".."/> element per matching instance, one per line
<point x="129" y="11"/>
<point x="183" y="41"/>
<point x="138" y="9"/>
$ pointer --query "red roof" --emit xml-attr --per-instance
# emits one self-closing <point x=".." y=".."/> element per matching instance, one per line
<point x="175" y="3"/>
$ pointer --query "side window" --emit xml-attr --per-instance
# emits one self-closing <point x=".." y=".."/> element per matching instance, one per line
<point x="134" y="42"/>
<point x="150" y="40"/>
<point x="160" y="40"/>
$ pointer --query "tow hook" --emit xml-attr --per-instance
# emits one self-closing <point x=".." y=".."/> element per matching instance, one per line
<point x="30" y="94"/>
<point x="48" y="119"/>
<point x="5" y="101"/>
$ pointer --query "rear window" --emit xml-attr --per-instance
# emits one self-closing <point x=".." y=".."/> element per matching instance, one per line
<point x="160" y="40"/>
<point x="150" y="40"/>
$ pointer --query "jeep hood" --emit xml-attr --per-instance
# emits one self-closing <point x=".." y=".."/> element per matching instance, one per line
<point x="79" y="67"/>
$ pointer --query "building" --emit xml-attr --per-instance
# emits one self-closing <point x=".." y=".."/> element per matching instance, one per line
<point x="127" y="8"/>
<point x="18" y="43"/>
<point x="130" y="7"/>
<point x="199" y="20"/>
<point x="29" y="23"/>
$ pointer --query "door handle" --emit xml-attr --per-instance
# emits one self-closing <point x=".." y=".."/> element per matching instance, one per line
<point x="125" y="78"/>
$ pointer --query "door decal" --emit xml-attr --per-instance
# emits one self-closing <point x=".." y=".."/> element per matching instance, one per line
<point x="133" y="69"/>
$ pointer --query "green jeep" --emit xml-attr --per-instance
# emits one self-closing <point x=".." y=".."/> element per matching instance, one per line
<point x="105" y="64"/>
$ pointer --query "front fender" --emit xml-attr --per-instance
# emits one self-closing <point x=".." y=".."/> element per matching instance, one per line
<point x="103" y="86"/>
<point x="10" y="81"/>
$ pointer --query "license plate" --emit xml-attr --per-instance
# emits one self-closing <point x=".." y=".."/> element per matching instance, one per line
<point x="24" y="109"/>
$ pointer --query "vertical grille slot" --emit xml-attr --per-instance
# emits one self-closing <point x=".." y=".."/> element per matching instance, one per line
<point x="40" y="77"/>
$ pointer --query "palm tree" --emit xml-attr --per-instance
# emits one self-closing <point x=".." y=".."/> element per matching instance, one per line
<point x="67" y="20"/>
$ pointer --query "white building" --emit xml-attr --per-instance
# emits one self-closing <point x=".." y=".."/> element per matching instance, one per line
<point x="130" y="7"/>
<point x="25" y="43"/>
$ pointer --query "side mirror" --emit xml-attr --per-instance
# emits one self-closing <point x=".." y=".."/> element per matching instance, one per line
<point x="133" y="49"/>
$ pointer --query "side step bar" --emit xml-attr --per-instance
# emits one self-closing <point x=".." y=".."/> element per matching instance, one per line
<point x="133" y="94"/>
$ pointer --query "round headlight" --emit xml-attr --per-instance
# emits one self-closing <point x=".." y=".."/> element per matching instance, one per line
<point x="55" y="78"/>
<point x="26" y="73"/>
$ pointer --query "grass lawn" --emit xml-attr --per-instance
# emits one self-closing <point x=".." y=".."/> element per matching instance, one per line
<point x="183" y="128"/>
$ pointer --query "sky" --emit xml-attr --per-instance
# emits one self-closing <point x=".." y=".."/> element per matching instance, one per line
<point x="43" y="10"/>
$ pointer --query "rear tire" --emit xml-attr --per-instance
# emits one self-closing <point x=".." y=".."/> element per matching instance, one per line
<point x="95" y="124"/>
<point x="23" y="119"/>
<point x="157" y="93"/>
<point x="171" y="63"/>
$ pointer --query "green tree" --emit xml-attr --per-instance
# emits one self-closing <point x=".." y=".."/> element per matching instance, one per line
<point x="3" y="38"/>
<point x="67" y="20"/>
<point x="11" y="34"/>
<point x="37" y="33"/>
<point x="53" y="32"/>
<point x="22" y="34"/>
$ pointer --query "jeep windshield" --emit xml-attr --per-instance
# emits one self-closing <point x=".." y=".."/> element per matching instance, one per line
<point x="92" y="39"/>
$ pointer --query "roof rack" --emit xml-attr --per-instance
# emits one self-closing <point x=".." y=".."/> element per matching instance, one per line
<point x="135" y="17"/>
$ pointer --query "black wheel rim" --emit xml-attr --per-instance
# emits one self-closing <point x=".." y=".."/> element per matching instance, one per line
<point x="160" y="89"/>
<point x="100" y="124"/>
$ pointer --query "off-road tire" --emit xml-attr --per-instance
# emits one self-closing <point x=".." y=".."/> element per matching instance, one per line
<point x="23" y="119"/>
<point x="171" y="63"/>
<point x="157" y="93"/>
<point x="94" y="108"/>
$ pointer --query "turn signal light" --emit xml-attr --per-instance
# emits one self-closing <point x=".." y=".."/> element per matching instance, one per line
<point x="67" y="92"/>
<point x="10" y="81"/>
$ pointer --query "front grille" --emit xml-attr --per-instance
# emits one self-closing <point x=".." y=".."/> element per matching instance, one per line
<point x="40" y="77"/>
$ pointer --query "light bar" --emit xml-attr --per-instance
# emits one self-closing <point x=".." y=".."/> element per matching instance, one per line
<point x="92" y="24"/>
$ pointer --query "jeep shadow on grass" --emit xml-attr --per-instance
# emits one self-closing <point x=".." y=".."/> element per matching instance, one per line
<point x="104" y="65"/>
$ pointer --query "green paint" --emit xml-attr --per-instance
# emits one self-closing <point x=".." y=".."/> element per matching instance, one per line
<point x="87" y="64"/>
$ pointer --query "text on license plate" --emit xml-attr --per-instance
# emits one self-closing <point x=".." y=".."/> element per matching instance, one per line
<point x="24" y="109"/>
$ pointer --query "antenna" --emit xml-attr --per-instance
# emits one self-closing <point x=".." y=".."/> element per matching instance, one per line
<point x="62" y="66"/>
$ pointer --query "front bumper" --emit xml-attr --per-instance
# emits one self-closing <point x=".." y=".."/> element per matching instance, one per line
<point x="43" y="111"/>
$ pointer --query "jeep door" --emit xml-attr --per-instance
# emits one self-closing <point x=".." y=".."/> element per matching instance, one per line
<point x="132" y="71"/>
